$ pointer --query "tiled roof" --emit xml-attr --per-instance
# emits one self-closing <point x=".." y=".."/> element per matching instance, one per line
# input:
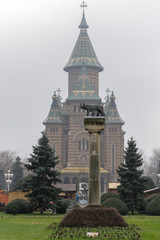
<point x="83" y="52"/>
<point x="66" y="187"/>
<point x="79" y="170"/>
<point x="112" y="114"/>
<point x="56" y="111"/>
<point x="113" y="185"/>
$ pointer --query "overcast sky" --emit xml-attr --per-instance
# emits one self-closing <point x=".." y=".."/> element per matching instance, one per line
<point x="37" y="38"/>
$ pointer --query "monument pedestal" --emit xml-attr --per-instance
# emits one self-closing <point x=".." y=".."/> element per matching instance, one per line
<point x="94" y="125"/>
<point x="98" y="215"/>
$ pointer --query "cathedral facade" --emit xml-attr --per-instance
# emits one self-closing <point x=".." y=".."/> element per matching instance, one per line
<point x="64" y="125"/>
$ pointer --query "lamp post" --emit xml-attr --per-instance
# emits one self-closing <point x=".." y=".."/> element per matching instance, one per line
<point x="8" y="175"/>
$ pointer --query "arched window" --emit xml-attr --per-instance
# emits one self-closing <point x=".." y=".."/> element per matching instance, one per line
<point x="102" y="185"/>
<point x="87" y="145"/>
<point x="75" y="181"/>
<point x="66" y="180"/>
<point x="79" y="145"/>
<point x="74" y="108"/>
<point x="113" y="158"/>
<point x="83" y="144"/>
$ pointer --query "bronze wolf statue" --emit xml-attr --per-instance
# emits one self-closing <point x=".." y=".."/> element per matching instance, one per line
<point x="94" y="109"/>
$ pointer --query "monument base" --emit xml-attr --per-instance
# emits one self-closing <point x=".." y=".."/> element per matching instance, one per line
<point x="93" y="216"/>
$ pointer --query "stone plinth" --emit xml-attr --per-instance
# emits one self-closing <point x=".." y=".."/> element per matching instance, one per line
<point x="94" y="125"/>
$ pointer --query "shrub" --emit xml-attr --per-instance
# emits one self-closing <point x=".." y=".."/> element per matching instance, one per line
<point x="93" y="216"/>
<point x="116" y="203"/>
<point x="142" y="206"/>
<point x="18" y="206"/>
<point x="148" y="183"/>
<point x="63" y="204"/>
<point x="107" y="195"/>
<point x="153" y="207"/>
<point x="150" y="198"/>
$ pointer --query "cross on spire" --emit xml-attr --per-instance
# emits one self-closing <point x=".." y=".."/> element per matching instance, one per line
<point x="83" y="5"/>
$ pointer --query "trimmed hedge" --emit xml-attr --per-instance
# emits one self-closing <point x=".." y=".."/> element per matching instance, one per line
<point x="153" y="207"/>
<point x="107" y="195"/>
<point x="150" y="198"/>
<point x="62" y="205"/>
<point x="18" y="206"/>
<point x="148" y="183"/>
<point x="116" y="203"/>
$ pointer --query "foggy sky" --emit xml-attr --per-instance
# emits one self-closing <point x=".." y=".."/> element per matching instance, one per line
<point x="37" y="38"/>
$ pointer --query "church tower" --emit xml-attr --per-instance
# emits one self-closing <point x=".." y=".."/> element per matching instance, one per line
<point x="83" y="54"/>
<point x="64" y="125"/>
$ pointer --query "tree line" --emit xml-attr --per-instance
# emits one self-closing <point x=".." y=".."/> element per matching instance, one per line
<point x="43" y="174"/>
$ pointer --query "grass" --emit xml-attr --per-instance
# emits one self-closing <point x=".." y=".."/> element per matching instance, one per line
<point x="26" y="227"/>
<point x="34" y="226"/>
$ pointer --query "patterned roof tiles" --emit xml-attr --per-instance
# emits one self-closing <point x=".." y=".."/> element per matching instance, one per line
<point x="112" y="114"/>
<point x="83" y="52"/>
<point x="56" y="111"/>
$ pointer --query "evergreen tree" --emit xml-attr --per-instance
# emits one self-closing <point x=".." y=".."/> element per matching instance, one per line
<point x="131" y="184"/>
<point x="17" y="171"/>
<point x="41" y="184"/>
<point x="2" y="180"/>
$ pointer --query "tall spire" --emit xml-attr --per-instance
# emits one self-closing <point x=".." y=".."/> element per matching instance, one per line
<point x="83" y="51"/>
<point x="83" y="24"/>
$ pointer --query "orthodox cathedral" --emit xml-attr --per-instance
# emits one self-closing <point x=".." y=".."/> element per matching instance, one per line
<point x="64" y="125"/>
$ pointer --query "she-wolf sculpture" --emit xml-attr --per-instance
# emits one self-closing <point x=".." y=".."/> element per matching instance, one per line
<point x="94" y="109"/>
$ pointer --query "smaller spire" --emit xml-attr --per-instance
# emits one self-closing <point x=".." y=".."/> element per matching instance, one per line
<point x="56" y="111"/>
<point x="59" y="92"/>
<point x="112" y="99"/>
<point x="112" y="114"/>
<point x="107" y="101"/>
<point x="83" y="24"/>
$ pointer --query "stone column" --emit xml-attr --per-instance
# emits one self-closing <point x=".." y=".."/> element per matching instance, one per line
<point x="94" y="125"/>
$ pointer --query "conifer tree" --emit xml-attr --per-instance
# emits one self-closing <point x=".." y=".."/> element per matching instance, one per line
<point x="42" y="164"/>
<point x="131" y="184"/>
<point x="17" y="171"/>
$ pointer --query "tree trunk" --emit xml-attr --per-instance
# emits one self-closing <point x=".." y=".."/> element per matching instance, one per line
<point x="42" y="207"/>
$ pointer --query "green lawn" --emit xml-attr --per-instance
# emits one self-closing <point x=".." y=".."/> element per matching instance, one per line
<point x="33" y="226"/>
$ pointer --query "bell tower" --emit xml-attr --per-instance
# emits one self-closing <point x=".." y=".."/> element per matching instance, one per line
<point x="83" y="54"/>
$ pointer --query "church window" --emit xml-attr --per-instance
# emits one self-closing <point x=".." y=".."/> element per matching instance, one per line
<point x="56" y="130"/>
<point x="75" y="181"/>
<point x="87" y="145"/>
<point x="113" y="158"/>
<point x="74" y="108"/>
<point x="66" y="151"/>
<point x="66" y="180"/>
<point x="79" y="109"/>
<point x="79" y="145"/>
<point x="50" y="129"/>
<point x="83" y="144"/>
